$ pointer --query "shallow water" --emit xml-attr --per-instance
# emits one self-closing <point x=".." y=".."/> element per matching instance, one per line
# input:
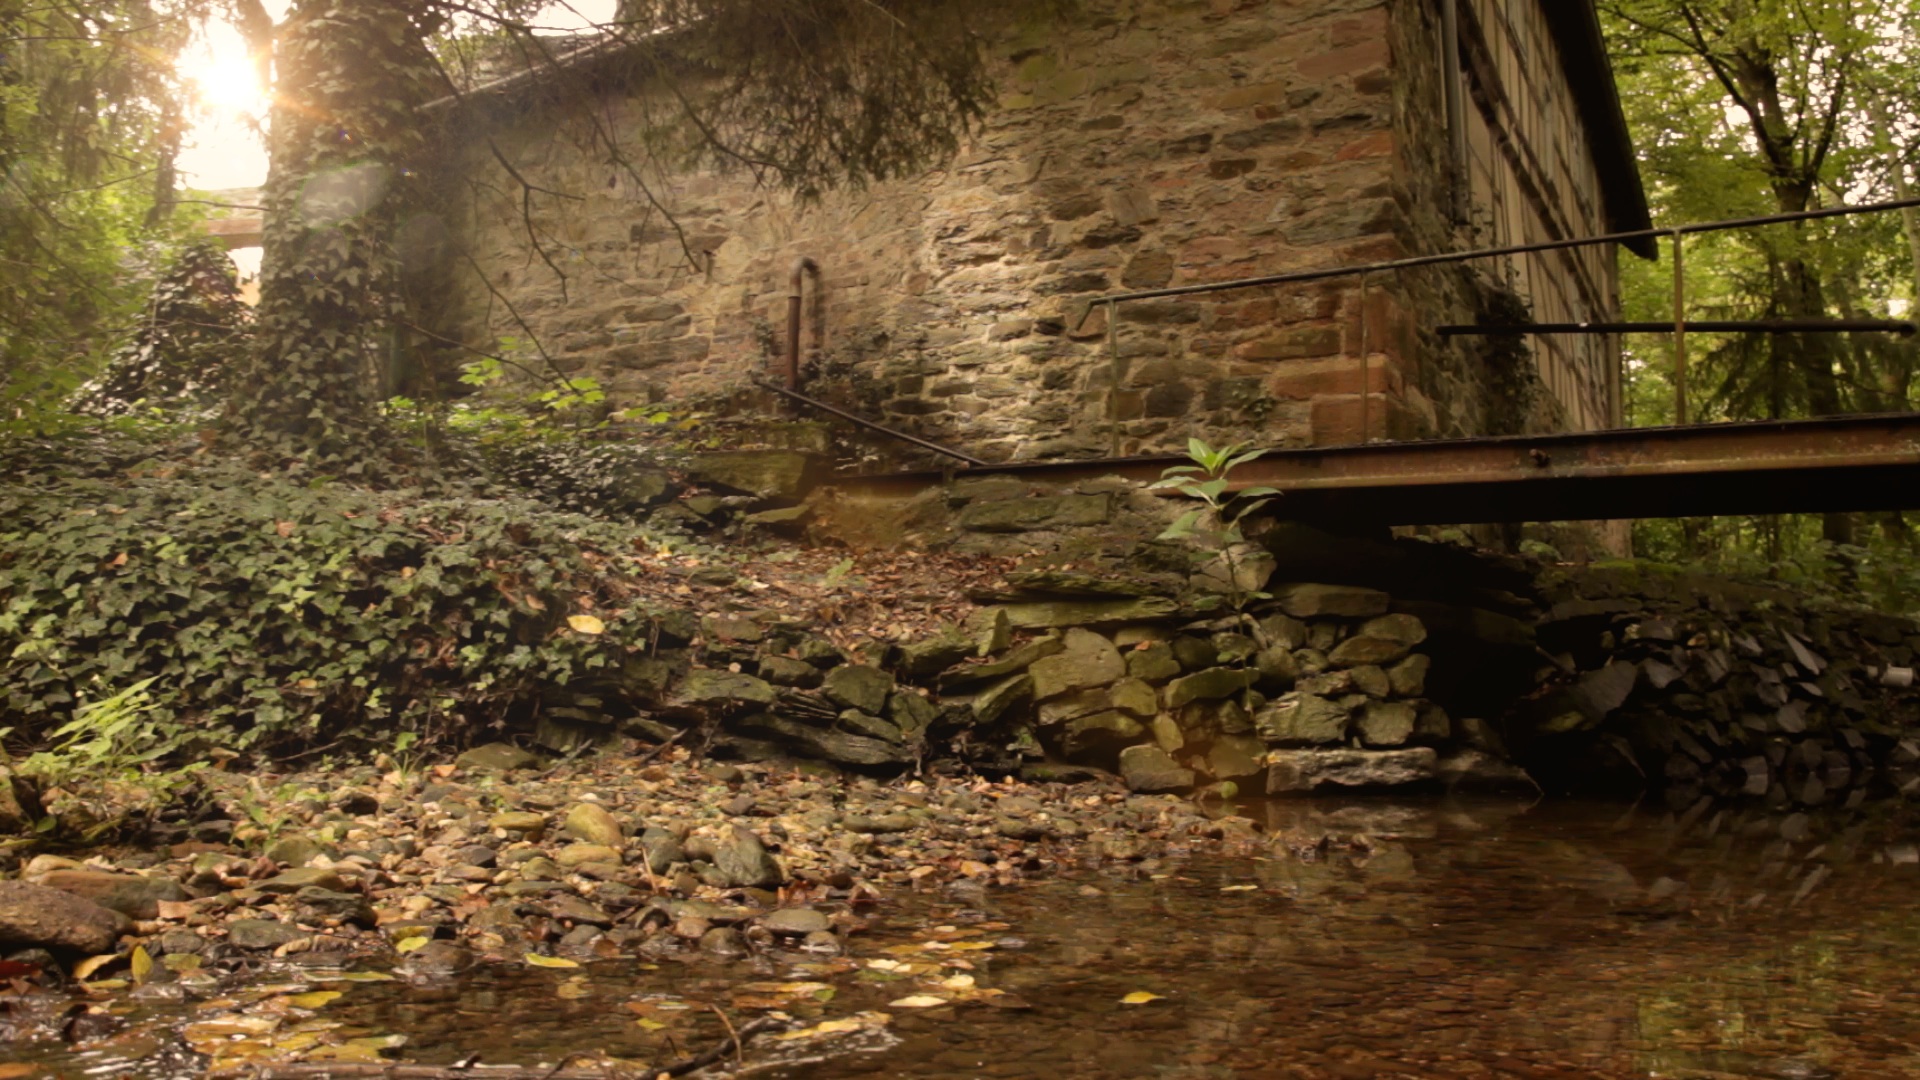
<point x="1471" y="940"/>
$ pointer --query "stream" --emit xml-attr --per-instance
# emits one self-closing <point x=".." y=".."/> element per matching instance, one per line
<point x="1560" y="940"/>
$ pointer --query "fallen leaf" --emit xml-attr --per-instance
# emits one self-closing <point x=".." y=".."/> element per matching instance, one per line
<point x="538" y="960"/>
<point x="142" y="963"/>
<point x="918" y="1001"/>
<point x="313" y="999"/>
<point x="586" y="624"/>
<point x="91" y="964"/>
<point x="407" y="945"/>
<point x="1140" y="997"/>
<point x="1239" y="888"/>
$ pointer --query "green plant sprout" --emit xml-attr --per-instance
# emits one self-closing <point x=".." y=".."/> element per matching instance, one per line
<point x="1216" y="525"/>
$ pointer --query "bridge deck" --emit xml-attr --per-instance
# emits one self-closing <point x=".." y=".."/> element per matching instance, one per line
<point x="1842" y="463"/>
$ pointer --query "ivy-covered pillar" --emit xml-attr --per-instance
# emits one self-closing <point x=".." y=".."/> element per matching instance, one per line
<point x="345" y="139"/>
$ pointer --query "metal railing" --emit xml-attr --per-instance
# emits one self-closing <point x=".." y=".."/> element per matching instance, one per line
<point x="1364" y="271"/>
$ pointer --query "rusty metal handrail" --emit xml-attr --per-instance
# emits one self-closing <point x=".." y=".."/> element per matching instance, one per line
<point x="855" y="418"/>
<point x="1902" y="327"/>
<point x="1679" y="329"/>
<point x="1326" y="273"/>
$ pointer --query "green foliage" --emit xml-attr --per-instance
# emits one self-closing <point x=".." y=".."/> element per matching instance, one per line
<point x="88" y="106"/>
<point x="1216" y="524"/>
<point x="255" y="611"/>
<point x="180" y="356"/>
<point x="1746" y="109"/>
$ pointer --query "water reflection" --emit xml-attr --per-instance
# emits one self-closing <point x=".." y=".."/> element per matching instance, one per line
<point x="1342" y="941"/>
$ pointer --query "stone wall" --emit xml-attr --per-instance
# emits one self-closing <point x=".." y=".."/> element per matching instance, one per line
<point x="1146" y="143"/>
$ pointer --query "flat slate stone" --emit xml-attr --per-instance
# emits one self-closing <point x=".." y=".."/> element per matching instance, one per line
<point x="301" y="877"/>
<point x="1032" y="514"/>
<point x="1387" y="723"/>
<point x="785" y="475"/>
<point x="1408" y="678"/>
<point x="255" y="934"/>
<point x="1310" y="601"/>
<point x="1016" y="661"/>
<point x="841" y="746"/>
<point x="1149" y="769"/>
<point x="1153" y="662"/>
<point x="1303" y="718"/>
<point x="708" y="686"/>
<point x="858" y="686"/>
<point x="1300" y="772"/>
<point x="496" y="757"/>
<point x="997" y="699"/>
<point x="1365" y="649"/>
<point x="1063" y="613"/>
<point x="595" y="824"/>
<point x="1209" y="685"/>
<point x="37" y="916"/>
<point x="132" y="895"/>
<point x="1088" y="660"/>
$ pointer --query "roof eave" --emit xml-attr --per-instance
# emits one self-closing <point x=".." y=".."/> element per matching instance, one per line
<point x="1575" y="25"/>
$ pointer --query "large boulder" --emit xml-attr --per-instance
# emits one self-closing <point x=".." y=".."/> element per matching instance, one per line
<point x="36" y="916"/>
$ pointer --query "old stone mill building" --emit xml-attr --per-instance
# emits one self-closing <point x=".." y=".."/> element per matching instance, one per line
<point x="1143" y="144"/>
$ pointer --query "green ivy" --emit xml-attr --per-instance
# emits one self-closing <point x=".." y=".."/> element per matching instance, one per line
<point x="261" y="610"/>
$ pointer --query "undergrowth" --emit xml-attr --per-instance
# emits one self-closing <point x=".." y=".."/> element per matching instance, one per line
<point x="268" y="611"/>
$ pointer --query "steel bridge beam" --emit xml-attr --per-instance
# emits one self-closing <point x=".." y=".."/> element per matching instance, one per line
<point x="1771" y="467"/>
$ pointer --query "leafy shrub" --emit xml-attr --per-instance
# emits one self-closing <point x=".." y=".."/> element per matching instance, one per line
<point x="268" y="612"/>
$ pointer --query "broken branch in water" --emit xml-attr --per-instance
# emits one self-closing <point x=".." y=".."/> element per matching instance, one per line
<point x="322" y="1070"/>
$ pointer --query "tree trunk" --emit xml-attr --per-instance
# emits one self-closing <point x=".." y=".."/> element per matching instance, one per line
<point x="344" y="136"/>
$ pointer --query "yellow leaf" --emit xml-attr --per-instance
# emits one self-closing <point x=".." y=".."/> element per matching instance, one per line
<point x="92" y="964"/>
<point x="142" y="964"/>
<point x="1140" y="997"/>
<point x="362" y="977"/>
<point x="649" y="1025"/>
<point x="918" y="1001"/>
<point x="586" y="624"/>
<point x="1239" y="888"/>
<point x="550" y="961"/>
<point x="313" y="1000"/>
<point x="407" y="945"/>
<point x="957" y="982"/>
<point x="347" y="1051"/>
